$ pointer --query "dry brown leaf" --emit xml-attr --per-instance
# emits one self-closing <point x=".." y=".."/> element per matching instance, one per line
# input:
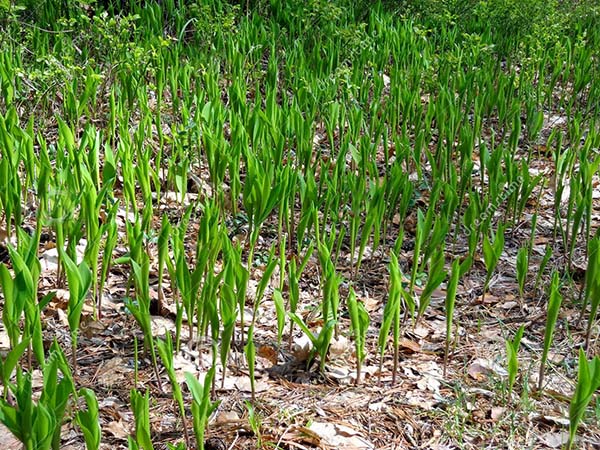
<point x="371" y="303"/>
<point x="225" y="417"/>
<point x="421" y="331"/>
<point x="508" y="305"/>
<point x="118" y="429"/>
<point x="340" y="436"/>
<point x="113" y="372"/>
<point x="7" y="440"/>
<point x="91" y="328"/>
<point x="161" y="325"/>
<point x="409" y="346"/>
<point x="343" y="375"/>
<point x="296" y="434"/>
<point x="477" y="372"/>
<point x="489" y="299"/>
<point x="339" y="347"/>
<point x="268" y="352"/>
<point x="555" y="420"/>
<point x="4" y="339"/>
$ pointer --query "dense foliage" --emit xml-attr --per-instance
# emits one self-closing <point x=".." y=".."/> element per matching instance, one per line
<point x="221" y="159"/>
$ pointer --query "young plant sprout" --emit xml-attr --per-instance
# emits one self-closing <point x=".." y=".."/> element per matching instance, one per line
<point x="243" y="173"/>
<point x="554" y="303"/>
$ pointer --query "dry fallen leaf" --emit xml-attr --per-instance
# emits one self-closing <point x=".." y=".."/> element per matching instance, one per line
<point x="91" y="328"/>
<point x="8" y="441"/>
<point x="340" y="436"/>
<point x="301" y="348"/>
<point x="415" y="398"/>
<point x="480" y="369"/>
<point x="555" y="440"/>
<point x="113" y="372"/>
<point x="182" y="365"/>
<point x="268" y="352"/>
<point x="556" y="420"/>
<point x="409" y="346"/>
<point x="117" y="428"/>
<point x="379" y="406"/>
<point x="225" y="417"/>
<point x="339" y="347"/>
<point x="496" y="413"/>
<point x="242" y="383"/>
<point x="343" y="375"/>
<point x="4" y="339"/>
<point x="161" y="325"/>
<point x="429" y="383"/>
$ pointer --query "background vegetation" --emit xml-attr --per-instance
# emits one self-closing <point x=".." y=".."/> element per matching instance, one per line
<point x="402" y="197"/>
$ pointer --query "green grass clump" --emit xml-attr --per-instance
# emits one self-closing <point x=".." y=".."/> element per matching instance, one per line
<point x="272" y="159"/>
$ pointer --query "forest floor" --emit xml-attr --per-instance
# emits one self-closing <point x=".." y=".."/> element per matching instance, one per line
<point x="465" y="405"/>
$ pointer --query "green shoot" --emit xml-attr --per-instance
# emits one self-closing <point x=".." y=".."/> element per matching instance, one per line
<point x="88" y="420"/>
<point x="588" y="382"/>
<point x="551" y="317"/>
<point x="512" y="350"/>
<point x="202" y="406"/>
<point x="359" y="321"/>
<point x="449" y="307"/>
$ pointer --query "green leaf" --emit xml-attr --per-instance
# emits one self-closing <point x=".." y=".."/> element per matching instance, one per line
<point x="512" y="349"/>
<point x="250" y="351"/>
<point x="437" y="274"/>
<point x="522" y="267"/>
<point x="45" y="300"/>
<point x="389" y="316"/>
<point x="280" y="312"/>
<point x="592" y="282"/>
<point x="264" y="281"/>
<point x="89" y="421"/>
<point x="551" y="317"/>
<point x="359" y="321"/>
<point x="12" y="359"/>
<point x="140" y="406"/>
<point x="588" y="382"/>
<point x="298" y="321"/>
<point x="10" y="419"/>
<point x="43" y="430"/>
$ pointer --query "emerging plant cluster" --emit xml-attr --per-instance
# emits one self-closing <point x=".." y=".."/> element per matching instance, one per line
<point x="220" y="144"/>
